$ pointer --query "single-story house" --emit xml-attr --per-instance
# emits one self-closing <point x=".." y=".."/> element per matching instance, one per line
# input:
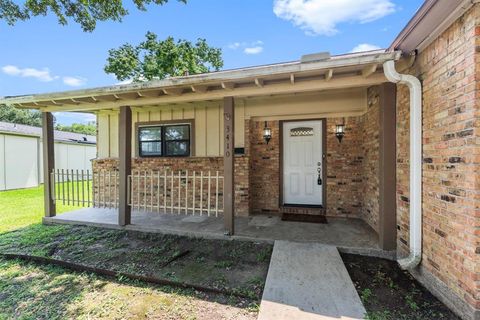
<point x="388" y="137"/>
<point x="21" y="160"/>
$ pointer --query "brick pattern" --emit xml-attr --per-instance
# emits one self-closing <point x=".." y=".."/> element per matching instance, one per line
<point x="264" y="167"/>
<point x="371" y="164"/>
<point x="449" y="69"/>
<point x="199" y="164"/>
<point x="344" y="166"/>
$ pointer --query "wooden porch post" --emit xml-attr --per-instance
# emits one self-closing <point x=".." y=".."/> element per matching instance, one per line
<point x="387" y="172"/>
<point x="228" y="165"/>
<point x="125" y="164"/>
<point x="48" y="163"/>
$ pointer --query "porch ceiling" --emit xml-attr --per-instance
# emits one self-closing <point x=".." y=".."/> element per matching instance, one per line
<point x="337" y="72"/>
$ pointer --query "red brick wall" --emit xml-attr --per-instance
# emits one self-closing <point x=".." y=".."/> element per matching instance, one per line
<point x="449" y="70"/>
<point x="344" y="166"/>
<point x="197" y="164"/>
<point x="264" y="167"/>
<point x="371" y="164"/>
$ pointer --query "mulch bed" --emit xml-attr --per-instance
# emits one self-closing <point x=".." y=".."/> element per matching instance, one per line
<point x="391" y="293"/>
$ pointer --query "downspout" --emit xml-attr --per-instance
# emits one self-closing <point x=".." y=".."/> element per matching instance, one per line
<point x="415" y="213"/>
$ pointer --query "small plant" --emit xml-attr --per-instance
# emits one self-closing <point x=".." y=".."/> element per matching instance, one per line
<point x="410" y="300"/>
<point x="378" y="315"/>
<point x="264" y="254"/>
<point x="224" y="264"/>
<point x="365" y="295"/>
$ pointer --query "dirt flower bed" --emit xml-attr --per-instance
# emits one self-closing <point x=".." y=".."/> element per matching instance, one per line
<point x="390" y="293"/>
<point x="234" y="266"/>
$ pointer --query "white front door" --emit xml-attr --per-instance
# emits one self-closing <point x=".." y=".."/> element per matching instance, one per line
<point x="302" y="163"/>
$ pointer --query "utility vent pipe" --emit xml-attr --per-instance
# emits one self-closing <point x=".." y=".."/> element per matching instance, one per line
<point x="415" y="88"/>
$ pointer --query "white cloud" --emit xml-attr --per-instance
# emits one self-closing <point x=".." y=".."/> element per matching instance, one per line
<point x="41" y="75"/>
<point x="253" y="50"/>
<point x="235" y="45"/>
<point x="254" y="47"/>
<point x="365" y="47"/>
<point x="74" y="81"/>
<point x="320" y="17"/>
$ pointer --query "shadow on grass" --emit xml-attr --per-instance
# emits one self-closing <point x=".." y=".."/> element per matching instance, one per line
<point x="31" y="291"/>
<point x="232" y="266"/>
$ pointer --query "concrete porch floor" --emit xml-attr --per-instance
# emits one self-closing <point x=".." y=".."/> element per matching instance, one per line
<point x="348" y="235"/>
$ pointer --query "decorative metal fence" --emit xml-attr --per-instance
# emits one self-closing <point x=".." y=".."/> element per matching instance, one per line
<point x="72" y="187"/>
<point x="178" y="192"/>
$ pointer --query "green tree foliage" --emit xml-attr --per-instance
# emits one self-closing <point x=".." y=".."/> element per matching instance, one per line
<point x="89" y="128"/>
<point x="154" y="59"/>
<point x="84" y="12"/>
<point x="20" y="116"/>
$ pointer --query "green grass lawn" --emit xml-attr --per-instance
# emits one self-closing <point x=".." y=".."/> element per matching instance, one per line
<point x="23" y="207"/>
<point x="34" y="291"/>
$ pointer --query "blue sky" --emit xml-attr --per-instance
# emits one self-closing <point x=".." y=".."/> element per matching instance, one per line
<point x="41" y="56"/>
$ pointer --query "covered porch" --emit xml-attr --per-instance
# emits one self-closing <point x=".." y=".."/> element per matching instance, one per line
<point x="350" y="235"/>
<point x="225" y="175"/>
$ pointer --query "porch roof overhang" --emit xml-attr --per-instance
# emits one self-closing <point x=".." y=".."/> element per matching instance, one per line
<point x="312" y="73"/>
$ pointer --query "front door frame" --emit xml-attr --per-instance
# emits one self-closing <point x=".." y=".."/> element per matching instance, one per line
<point x="324" y="161"/>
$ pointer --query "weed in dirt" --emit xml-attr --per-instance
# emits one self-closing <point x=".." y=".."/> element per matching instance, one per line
<point x="379" y="315"/>
<point x="365" y="295"/>
<point x="226" y="264"/>
<point x="264" y="254"/>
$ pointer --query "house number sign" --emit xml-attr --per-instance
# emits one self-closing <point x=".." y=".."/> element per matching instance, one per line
<point x="228" y="135"/>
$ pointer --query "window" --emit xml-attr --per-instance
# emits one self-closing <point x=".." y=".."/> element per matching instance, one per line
<point x="164" y="140"/>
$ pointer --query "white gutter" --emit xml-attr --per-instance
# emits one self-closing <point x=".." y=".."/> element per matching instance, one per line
<point x="415" y="88"/>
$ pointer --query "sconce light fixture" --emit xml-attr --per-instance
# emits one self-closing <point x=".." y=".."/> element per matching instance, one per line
<point x="267" y="133"/>
<point x="340" y="131"/>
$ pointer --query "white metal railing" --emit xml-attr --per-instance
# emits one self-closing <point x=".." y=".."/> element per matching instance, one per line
<point x="105" y="188"/>
<point x="72" y="187"/>
<point x="179" y="192"/>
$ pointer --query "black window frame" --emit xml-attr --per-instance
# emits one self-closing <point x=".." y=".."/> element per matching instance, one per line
<point x="164" y="141"/>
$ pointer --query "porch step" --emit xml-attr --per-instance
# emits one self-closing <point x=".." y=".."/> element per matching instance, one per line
<point x="308" y="281"/>
<point x="302" y="210"/>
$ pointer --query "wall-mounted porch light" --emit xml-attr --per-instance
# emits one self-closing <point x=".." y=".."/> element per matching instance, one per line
<point x="340" y="131"/>
<point x="267" y="133"/>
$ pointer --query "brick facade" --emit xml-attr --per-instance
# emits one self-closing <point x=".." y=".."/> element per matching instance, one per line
<point x="198" y="164"/>
<point x="449" y="69"/>
<point x="264" y="167"/>
<point x="371" y="161"/>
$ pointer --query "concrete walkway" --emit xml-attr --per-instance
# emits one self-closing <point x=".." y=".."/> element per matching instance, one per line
<point x="308" y="281"/>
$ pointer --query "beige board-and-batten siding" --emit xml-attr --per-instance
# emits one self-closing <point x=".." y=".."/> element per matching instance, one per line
<point x="208" y="120"/>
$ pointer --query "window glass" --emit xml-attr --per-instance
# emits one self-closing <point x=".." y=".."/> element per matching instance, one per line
<point x="177" y="132"/>
<point x="151" y="148"/>
<point x="167" y="140"/>
<point x="174" y="148"/>
<point x="150" y="133"/>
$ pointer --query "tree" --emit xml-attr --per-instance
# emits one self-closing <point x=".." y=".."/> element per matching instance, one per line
<point x="84" y="12"/>
<point x="88" y="129"/>
<point x="20" y="116"/>
<point x="154" y="59"/>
